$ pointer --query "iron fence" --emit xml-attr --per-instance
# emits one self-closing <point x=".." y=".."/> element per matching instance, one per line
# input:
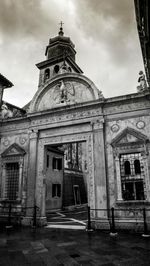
<point x="13" y="215"/>
<point x="117" y="216"/>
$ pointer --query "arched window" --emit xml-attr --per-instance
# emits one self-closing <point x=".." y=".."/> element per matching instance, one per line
<point x="56" y="69"/>
<point x="137" y="167"/>
<point x="127" y="168"/>
<point x="46" y="74"/>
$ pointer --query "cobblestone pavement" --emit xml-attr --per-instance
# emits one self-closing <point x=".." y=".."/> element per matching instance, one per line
<point x="44" y="246"/>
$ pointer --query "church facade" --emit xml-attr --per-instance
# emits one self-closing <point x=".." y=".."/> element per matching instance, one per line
<point x="71" y="146"/>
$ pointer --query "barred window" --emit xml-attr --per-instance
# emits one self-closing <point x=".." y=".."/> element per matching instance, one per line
<point x="127" y="168"/>
<point x="12" y="181"/>
<point x="132" y="176"/>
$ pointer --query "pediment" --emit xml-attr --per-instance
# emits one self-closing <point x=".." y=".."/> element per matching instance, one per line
<point x="63" y="90"/>
<point x="129" y="136"/>
<point x="13" y="150"/>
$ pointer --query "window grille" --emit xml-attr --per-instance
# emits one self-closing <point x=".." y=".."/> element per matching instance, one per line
<point x="12" y="181"/>
<point x="132" y="176"/>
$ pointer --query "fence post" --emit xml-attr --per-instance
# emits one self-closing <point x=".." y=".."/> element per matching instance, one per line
<point x="112" y="229"/>
<point x="145" y="223"/>
<point x="89" y="219"/>
<point x="34" y="216"/>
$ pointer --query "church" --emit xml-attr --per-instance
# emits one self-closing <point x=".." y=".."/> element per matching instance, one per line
<point x="70" y="146"/>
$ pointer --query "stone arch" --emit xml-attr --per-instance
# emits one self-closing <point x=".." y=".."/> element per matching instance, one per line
<point x="85" y="91"/>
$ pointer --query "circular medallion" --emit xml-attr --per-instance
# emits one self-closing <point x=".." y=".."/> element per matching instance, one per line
<point x="140" y="124"/>
<point x="22" y="140"/>
<point x="6" y="142"/>
<point x="114" y="128"/>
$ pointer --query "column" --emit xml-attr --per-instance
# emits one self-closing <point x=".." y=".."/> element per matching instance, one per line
<point x="118" y="178"/>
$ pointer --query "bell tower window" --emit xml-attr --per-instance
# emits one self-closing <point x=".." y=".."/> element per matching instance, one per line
<point x="46" y="74"/>
<point x="56" y="69"/>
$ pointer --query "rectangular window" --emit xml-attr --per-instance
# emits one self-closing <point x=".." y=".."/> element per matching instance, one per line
<point x="47" y="160"/>
<point x="76" y="194"/>
<point x="56" y="190"/>
<point x="132" y="176"/>
<point x="57" y="163"/>
<point x="12" y="181"/>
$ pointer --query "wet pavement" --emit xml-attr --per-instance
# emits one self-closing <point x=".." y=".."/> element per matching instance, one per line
<point x="75" y="219"/>
<point x="47" y="246"/>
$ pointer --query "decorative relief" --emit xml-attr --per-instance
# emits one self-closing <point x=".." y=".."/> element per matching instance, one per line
<point x="64" y="92"/>
<point x="6" y="142"/>
<point x="66" y="117"/>
<point x="115" y="128"/>
<point x="22" y="140"/>
<point x="140" y="124"/>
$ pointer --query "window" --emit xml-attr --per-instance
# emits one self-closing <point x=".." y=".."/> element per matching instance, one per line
<point x="57" y="163"/>
<point x="132" y="176"/>
<point x="56" y="190"/>
<point x="12" y="181"/>
<point x="76" y="194"/>
<point x="47" y="160"/>
<point x="46" y="74"/>
<point x="56" y="69"/>
<point x="127" y="168"/>
<point x="137" y="167"/>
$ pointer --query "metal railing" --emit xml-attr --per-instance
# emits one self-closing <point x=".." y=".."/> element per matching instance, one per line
<point x="115" y="215"/>
<point x="12" y="215"/>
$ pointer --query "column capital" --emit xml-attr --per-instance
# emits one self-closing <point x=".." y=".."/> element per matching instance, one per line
<point x="33" y="133"/>
<point x="97" y="124"/>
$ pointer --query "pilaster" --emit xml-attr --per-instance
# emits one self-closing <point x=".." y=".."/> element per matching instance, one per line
<point x="31" y="183"/>
<point x="99" y="166"/>
<point x="118" y="178"/>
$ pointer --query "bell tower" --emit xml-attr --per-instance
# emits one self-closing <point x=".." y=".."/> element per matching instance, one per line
<point x="60" y="58"/>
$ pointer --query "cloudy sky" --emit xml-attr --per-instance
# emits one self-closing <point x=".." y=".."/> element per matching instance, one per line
<point x="103" y="31"/>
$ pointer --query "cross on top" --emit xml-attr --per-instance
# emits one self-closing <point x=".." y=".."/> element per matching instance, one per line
<point x="61" y="23"/>
<point x="61" y="29"/>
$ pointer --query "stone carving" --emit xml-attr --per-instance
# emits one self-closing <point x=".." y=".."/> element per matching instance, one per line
<point x="100" y="95"/>
<point x="115" y="128"/>
<point x="22" y="140"/>
<point x="142" y="81"/>
<point x="64" y="92"/>
<point x="140" y="124"/>
<point x="6" y="142"/>
<point x="5" y="112"/>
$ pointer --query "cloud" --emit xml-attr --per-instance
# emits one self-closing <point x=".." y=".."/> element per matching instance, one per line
<point x="103" y="31"/>
<point x="110" y="23"/>
<point x="20" y="18"/>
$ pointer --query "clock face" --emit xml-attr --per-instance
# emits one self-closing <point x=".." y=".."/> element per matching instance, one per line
<point x="140" y="124"/>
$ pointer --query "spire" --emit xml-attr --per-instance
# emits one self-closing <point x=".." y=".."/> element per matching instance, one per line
<point x="61" y="33"/>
